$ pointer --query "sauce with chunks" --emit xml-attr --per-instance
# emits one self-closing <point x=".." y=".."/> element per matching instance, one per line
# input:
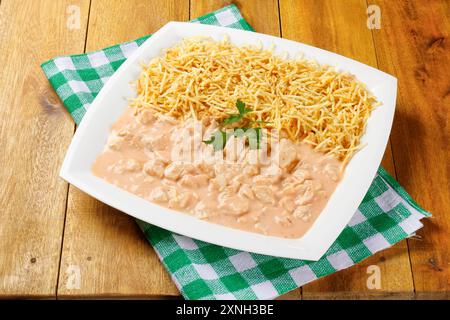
<point x="166" y="162"/>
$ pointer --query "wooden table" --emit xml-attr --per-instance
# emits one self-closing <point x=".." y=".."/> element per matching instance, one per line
<point x="52" y="234"/>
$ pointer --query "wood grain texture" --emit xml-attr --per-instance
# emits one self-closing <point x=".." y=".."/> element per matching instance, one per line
<point x="106" y="247"/>
<point x="342" y="29"/>
<point x="34" y="134"/>
<point x="413" y="44"/>
<point x="263" y="16"/>
<point x="112" y="255"/>
<point x="115" y="21"/>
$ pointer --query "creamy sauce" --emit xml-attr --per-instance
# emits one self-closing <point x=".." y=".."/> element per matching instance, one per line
<point x="166" y="162"/>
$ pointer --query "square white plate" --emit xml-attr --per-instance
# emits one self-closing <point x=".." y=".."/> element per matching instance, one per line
<point x="91" y="136"/>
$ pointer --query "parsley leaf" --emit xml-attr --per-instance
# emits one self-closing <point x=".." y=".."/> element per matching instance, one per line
<point x="237" y="117"/>
<point x="241" y="107"/>
<point x="232" y="119"/>
<point x="219" y="138"/>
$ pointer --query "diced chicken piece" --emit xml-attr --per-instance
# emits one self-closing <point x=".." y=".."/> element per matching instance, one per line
<point x="125" y="165"/>
<point x="145" y="117"/>
<point x="304" y="165"/>
<point x="307" y="185"/>
<point x="132" y="165"/>
<point x="246" y="191"/>
<point x="302" y="175"/>
<point x="237" y="208"/>
<point x="288" y="204"/>
<point x="264" y="180"/>
<point x="239" y="178"/>
<point x="264" y="193"/>
<point x="282" y="221"/>
<point x="154" y="167"/>
<point x="181" y="201"/>
<point x="304" y="198"/>
<point x="303" y="212"/>
<point x="218" y="183"/>
<point x="206" y="121"/>
<point x="125" y="133"/>
<point x="228" y="170"/>
<point x="243" y="219"/>
<point x="272" y="170"/>
<point x="292" y="187"/>
<point x="225" y="195"/>
<point x="194" y="181"/>
<point x="331" y="172"/>
<point x="289" y="181"/>
<point x="233" y="205"/>
<point x="155" y="142"/>
<point x="115" y="168"/>
<point x="205" y="168"/>
<point x="233" y="187"/>
<point x="172" y="191"/>
<point x="256" y="217"/>
<point x="115" y="142"/>
<point x="251" y="170"/>
<point x="203" y="211"/>
<point x="168" y="119"/>
<point x="220" y="168"/>
<point x="259" y="227"/>
<point x="287" y="154"/>
<point x="289" y="190"/>
<point x="317" y="186"/>
<point x="223" y="168"/>
<point x="189" y="168"/>
<point x="157" y="156"/>
<point x="173" y="171"/>
<point x="159" y="195"/>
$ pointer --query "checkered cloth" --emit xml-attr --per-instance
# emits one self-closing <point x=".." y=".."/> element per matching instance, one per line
<point x="205" y="271"/>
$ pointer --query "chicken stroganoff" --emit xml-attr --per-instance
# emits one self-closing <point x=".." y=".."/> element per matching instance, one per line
<point x="185" y="141"/>
<point x="278" y="195"/>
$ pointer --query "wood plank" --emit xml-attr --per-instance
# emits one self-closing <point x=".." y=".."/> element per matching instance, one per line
<point x="34" y="135"/>
<point x="342" y="29"/>
<point x="115" y="21"/>
<point x="413" y="45"/>
<point x="263" y="16"/>
<point x="105" y="246"/>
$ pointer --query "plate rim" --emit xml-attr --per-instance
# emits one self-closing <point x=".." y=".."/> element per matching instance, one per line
<point x="288" y="248"/>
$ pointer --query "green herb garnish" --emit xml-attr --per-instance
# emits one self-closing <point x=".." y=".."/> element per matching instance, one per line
<point x="219" y="138"/>
<point x="237" y="117"/>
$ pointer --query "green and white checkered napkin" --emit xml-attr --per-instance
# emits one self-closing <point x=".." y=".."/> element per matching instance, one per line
<point x="205" y="271"/>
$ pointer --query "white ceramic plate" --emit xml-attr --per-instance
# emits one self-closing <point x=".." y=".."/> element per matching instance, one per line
<point x="91" y="136"/>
